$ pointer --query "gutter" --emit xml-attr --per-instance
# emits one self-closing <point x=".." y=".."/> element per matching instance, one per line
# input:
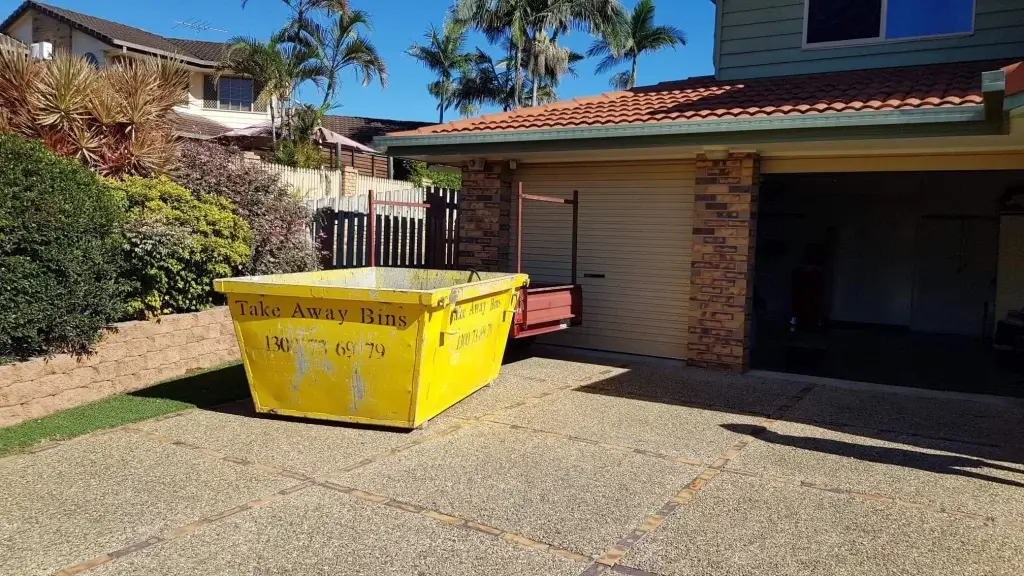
<point x="917" y="116"/>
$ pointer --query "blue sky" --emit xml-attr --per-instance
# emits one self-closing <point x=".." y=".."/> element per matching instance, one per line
<point x="398" y="24"/>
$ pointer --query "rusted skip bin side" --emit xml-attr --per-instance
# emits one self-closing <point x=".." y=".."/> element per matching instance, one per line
<point x="385" y="346"/>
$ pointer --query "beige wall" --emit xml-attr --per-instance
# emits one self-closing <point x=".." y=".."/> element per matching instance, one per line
<point x="133" y="356"/>
<point x="82" y="44"/>
<point x="230" y="118"/>
<point x="22" y="29"/>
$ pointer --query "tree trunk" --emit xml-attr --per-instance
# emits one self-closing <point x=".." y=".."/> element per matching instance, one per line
<point x="632" y="75"/>
<point x="273" y="126"/>
<point x="534" y="73"/>
<point x="440" y="107"/>
<point x="517" y="92"/>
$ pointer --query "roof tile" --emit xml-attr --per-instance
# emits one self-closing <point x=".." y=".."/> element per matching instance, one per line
<point x="704" y="98"/>
<point x="363" y="130"/>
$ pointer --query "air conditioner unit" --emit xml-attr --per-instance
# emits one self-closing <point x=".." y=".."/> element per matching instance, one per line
<point x="42" y="51"/>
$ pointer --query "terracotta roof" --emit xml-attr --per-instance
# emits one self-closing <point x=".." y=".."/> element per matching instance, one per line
<point x="1014" y="78"/>
<point x="116" y="33"/>
<point x="705" y="98"/>
<point x="364" y="130"/>
<point x="188" y="125"/>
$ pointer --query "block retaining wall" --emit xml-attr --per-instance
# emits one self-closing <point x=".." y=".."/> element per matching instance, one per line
<point x="131" y="356"/>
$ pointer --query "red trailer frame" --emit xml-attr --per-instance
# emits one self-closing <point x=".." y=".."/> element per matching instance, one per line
<point x="547" y="308"/>
<point x="540" y="308"/>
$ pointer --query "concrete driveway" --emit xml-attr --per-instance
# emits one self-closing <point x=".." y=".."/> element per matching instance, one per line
<point x="592" y="465"/>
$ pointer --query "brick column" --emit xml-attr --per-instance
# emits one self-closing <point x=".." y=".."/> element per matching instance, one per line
<point x="349" y="181"/>
<point x="722" y="269"/>
<point x="484" y="209"/>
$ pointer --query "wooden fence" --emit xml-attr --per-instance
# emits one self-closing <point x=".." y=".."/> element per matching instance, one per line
<point x="10" y="44"/>
<point x="326" y="187"/>
<point x="408" y="237"/>
<point x="307" y="183"/>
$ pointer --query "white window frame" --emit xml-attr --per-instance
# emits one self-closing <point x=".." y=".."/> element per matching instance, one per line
<point x="881" y="39"/>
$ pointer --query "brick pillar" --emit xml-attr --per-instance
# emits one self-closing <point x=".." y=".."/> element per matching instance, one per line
<point x="722" y="274"/>
<point x="484" y="209"/>
<point x="349" y="181"/>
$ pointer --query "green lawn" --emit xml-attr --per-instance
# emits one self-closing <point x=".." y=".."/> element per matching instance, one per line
<point x="199" y="390"/>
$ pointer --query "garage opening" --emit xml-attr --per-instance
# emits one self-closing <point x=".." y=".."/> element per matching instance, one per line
<point x="894" y="278"/>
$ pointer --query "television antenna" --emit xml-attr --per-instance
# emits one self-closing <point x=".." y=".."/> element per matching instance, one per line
<point x="197" y="25"/>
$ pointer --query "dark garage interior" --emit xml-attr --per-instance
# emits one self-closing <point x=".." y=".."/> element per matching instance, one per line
<point x="894" y="278"/>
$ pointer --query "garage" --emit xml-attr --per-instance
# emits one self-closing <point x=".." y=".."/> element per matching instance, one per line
<point x="635" y="224"/>
<point x="889" y="277"/>
<point x="871" y="207"/>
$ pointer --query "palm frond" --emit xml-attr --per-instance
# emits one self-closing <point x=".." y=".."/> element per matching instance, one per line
<point x="621" y="80"/>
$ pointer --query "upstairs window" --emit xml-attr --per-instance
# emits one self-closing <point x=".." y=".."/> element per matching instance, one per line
<point x="235" y="94"/>
<point x="230" y="93"/>
<point x="829" y="23"/>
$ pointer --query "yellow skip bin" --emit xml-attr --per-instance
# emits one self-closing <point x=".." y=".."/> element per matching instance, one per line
<point x="386" y="346"/>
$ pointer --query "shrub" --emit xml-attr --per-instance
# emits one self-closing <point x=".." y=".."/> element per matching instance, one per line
<point x="420" y="174"/>
<point x="116" y="120"/>
<point x="176" y="244"/>
<point x="280" y="221"/>
<point x="60" y="253"/>
<point x="298" y="153"/>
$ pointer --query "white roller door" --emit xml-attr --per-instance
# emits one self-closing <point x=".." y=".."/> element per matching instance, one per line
<point x="634" y="250"/>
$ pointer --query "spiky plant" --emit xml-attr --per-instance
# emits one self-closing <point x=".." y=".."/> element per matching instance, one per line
<point x="116" y="121"/>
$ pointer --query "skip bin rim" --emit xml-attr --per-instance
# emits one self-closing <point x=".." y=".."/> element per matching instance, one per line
<point x="433" y="298"/>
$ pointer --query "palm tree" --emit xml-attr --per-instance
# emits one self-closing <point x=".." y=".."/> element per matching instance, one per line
<point x="547" y="62"/>
<point x="444" y="54"/>
<point x="549" y="77"/>
<point x="486" y="83"/>
<point x="276" y="66"/>
<point x="502" y="20"/>
<point x="341" y="45"/>
<point x="526" y="23"/>
<point x="635" y="36"/>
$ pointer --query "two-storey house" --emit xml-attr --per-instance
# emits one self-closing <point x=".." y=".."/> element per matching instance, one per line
<point x="841" y="198"/>
<point x="218" y="102"/>
<point x="215" y="105"/>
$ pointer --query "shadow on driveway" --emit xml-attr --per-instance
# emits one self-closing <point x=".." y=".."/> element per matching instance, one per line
<point x="937" y="463"/>
<point x="969" y="428"/>
<point x="203" y="389"/>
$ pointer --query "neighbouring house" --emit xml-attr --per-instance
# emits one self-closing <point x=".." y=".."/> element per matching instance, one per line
<point x="836" y="200"/>
<point x="359" y="133"/>
<point x="363" y="131"/>
<point x="217" y="102"/>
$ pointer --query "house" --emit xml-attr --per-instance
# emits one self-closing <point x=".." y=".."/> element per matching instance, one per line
<point x="214" y="105"/>
<point x="359" y="130"/>
<point x="217" y="102"/>
<point x="363" y="131"/>
<point x="831" y="201"/>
